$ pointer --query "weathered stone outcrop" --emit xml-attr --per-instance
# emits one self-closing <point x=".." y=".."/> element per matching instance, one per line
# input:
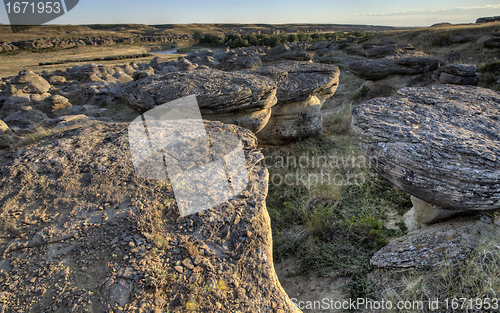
<point x="239" y="59"/>
<point x="102" y="41"/>
<point x="381" y="49"/>
<point x="493" y="42"/>
<point x="7" y="137"/>
<point x="443" y="244"/>
<point x="29" y="89"/>
<point x="79" y="225"/>
<point x="248" y="58"/>
<point x="284" y="52"/>
<point x="30" y="82"/>
<point x="440" y="144"/>
<point x="489" y="19"/>
<point x="26" y="118"/>
<point x="91" y="73"/>
<point x="232" y="97"/>
<point x="302" y="89"/>
<point x="382" y="68"/>
<point x="459" y="74"/>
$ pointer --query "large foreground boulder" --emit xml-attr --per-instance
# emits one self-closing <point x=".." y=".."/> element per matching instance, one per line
<point x="440" y="144"/>
<point x="302" y="89"/>
<point x="80" y="231"/>
<point x="238" y="98"/>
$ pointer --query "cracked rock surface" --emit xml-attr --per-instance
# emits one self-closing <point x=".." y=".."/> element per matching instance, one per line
<point x="80" y="232"/>
<point x="231" y="97"/>
<point x="440" y="144"/>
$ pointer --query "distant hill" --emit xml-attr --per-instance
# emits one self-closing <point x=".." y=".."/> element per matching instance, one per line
<point x="128" y="30"/>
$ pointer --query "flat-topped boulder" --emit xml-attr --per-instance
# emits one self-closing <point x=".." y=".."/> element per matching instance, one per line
<point x="302" y="89"/>
<point x="459" y="74"/>
<point x="492" y="42"/>
<point x="381" y="49"/>
<point x="81" y="231"/>
<point x="232" y="97"/>
<point x="444" y="244"/>
<point x="383" y="68"/>
<point x="440" y="144"/>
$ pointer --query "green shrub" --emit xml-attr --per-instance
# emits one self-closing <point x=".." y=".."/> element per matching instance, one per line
<point x="441" y="39"/>
<point x="361" y="93"/>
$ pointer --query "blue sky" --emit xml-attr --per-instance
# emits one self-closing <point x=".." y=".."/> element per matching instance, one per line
<point x="381" y="12"/>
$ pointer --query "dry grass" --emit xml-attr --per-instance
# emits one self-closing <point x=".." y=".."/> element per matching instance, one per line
<point x="479" y="278"/>
<point x="432" y="40"/>
<point x="39" y="133"/>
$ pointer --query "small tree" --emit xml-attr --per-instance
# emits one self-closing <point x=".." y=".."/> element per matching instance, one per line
<point x="253" y="40"/>
<point x="293" y="38"/>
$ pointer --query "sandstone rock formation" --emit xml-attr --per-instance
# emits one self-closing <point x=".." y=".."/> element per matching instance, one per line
<point x="493" y="42"/>
<point x="232" y="97"/>
<point x="30" y="82"/>
<point x="81" y="232"/>
<point x="239" y="59"/>
<point x="26" y="118"/>
<point x="91" y="73"/>
<point x="442" y="244"/>
<point x="439" y="144"/>
<point x="381" y="49"/>
<point x="488" y="19"/>
<point x="382" y="68"/>
<point x="7" y="137"/>
<point x="283" y="51"/>
<point x="302" y="89"/>
<point x="459" y="74"/>
<point x="68" y="43"/>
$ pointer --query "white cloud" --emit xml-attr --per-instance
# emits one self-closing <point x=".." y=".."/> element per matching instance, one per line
<point x="426" y="11"/>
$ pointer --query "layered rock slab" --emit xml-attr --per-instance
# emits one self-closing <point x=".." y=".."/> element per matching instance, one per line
<point x="383" y="68"/>
<point x="443" y="244"/>
<point x="232" y="97"/>
<point x="302" y="89"/>
<point x="459" y="74"/>
<point x="440" y="144"/>
<point x="78" y="224"/>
